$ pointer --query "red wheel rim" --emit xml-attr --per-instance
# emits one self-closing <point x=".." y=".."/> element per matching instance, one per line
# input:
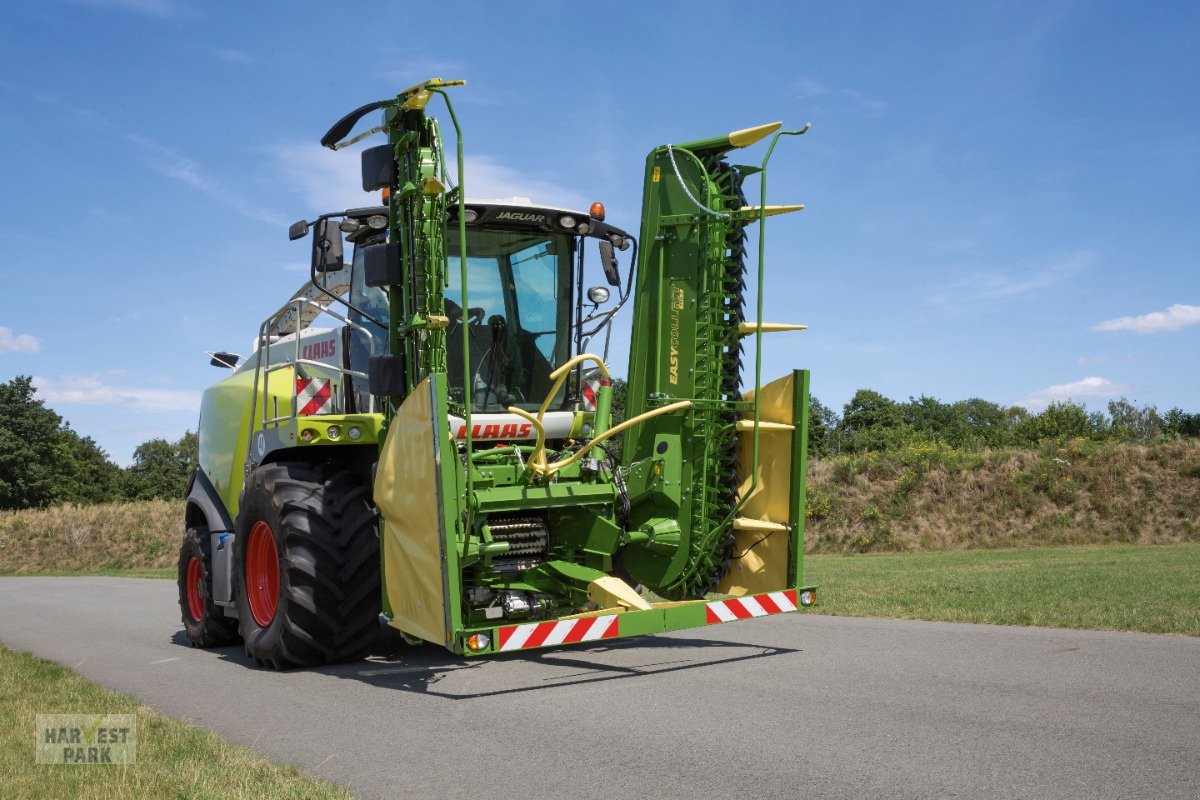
<point x="262" y="574"/>
<point x="195" y="597"/>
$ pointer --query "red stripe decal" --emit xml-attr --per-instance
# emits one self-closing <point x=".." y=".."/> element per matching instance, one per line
<point x="711" y="615"/>
<point x="791" y="594"/>
<point x="579" y="629"/>
<point x="504" y="634"/>
<point x="539" y="635"/>
<point x="739" y="610"/>
<point x="613" y="628"/>
<point x="317" y="401"/>
<point x="767" y="603"/>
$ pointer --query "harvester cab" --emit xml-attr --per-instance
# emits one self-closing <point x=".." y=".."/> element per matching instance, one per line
<point x="444" y="452"/>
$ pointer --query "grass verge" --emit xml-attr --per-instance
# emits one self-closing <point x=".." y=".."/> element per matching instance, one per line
<point x="1150" y="588"/>
<point x="169" y="573"/>
<point x="174" y="760"/>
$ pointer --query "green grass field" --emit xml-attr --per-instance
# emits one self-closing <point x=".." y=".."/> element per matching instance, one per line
<point x="174" y="760"/>
<point x="1152" y="588"/>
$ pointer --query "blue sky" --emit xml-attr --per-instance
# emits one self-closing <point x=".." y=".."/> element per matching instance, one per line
<point x="1002" y="198"/>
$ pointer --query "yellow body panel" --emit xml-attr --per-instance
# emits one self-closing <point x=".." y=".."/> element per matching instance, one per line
<point x="612" y="591"/>
<point x="760" y="551"/>
<point x="406" y="493"/>
<point x="225" y="427"/>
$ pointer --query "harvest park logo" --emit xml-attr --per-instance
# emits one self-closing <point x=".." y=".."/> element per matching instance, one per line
<point x="86" y="738"/>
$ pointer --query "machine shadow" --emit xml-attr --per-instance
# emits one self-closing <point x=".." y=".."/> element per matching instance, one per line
<point x="399" y="666"/>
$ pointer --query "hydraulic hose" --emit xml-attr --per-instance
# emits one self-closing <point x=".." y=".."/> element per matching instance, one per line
<point x="537" y="459"/>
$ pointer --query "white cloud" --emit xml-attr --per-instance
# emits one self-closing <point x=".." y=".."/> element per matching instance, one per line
<point x="175" y="165"/>
<point x="151" y="8"/>
<point x="488" y="179"/>
<point x="1092" y="387"/>
<point x="325" y="179"/>
<point x="234" y="56"/>
<point x="95" y="390"/>
<point x="22" y="343"/>
<point x="1002" y="284"/>
<point x="329" y="180"/>
<point x="1176" y="317"/>
<point x="808" y="88"/>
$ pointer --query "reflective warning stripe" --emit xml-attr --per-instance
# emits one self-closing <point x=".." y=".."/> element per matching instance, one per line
<point x="589" y="394"/>
<point x="312" y="397"/>
<point x="759" y="605"/>
<point x="565" y="631"/>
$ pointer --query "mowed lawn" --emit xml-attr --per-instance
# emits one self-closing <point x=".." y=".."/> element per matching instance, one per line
<point x="174" y="760"/>
<point x="1151" y="588"/>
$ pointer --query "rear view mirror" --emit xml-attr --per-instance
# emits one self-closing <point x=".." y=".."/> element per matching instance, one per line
<point x="608" y="261"/>
<point x="327" y="246"/>
<point x="297" y="230"/>
<point x="226" y="360"/>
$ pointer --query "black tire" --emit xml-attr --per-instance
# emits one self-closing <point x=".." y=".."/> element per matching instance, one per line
<point x="322" y="526"/>
<point x="204" y="621"/>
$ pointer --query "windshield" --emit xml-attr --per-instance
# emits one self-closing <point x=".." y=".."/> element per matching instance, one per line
<point x="517" y="325"/>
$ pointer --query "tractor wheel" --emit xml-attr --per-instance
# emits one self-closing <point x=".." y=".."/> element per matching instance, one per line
<point x="203" y="620"/>
<point x="307" y="574"/>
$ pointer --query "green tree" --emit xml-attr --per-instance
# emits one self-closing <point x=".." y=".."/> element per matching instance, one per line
<point x="823" y="439"/>
<point x="1064" y="420"/>
<point x="35" y="456"/>
<point x="1133" y="424"/>
<point x="43" y="461"/>
<point x="95" y="478"/>
<point x="161" y="470"/>
<point x="1180" y="423"/>
<point x="871" y="421"/>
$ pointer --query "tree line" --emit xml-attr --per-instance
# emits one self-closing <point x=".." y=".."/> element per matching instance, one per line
<point x="44" y="462"/>
<point x="872" y="422"/>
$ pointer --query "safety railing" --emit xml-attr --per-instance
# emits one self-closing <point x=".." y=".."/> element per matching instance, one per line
<point x="264" y="368"/>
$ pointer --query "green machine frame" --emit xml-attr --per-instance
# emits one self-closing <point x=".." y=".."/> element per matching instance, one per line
<point x="707" y="507"/>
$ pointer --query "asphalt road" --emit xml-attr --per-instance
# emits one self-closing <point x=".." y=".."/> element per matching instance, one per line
<point x="797" y="706"/>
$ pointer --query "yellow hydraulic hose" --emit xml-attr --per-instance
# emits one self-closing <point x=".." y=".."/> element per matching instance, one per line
<point x="629" y="423"/>
<point x="537" y="459"/>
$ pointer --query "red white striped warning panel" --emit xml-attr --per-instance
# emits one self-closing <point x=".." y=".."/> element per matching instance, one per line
<point x="759" y="605"/>
<point x="564" y="631"/>
<point x="313" y="396"/>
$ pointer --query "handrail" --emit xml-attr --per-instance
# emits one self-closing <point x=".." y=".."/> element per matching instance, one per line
<point x="263" y="366"/>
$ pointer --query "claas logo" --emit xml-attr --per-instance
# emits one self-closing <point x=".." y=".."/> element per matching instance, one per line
<point x="506" y="431"/>
<point x="319" y="350"/>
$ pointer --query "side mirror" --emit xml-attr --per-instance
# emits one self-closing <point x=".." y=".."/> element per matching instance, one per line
<point x="608" y="261"/>
<point x="225" y="360"/>
<point x="297" y="230"/>
<point x="327" y="246"/>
